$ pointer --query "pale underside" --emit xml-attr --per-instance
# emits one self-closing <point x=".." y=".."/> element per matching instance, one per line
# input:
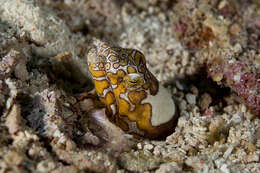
<point x="163" y="106"/>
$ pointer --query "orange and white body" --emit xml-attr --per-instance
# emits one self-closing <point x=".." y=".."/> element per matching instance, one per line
<point x="134" y="99"/>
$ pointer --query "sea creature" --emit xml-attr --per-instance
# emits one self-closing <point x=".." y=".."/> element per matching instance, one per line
<point x="133" y="97"/>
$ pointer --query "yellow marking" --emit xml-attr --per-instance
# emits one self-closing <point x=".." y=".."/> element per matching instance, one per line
<point x="110" y="99"/>
<point x="141" y="114"/>
<point x="107" y="66"/>
<point x="101" y="65"/>
<point x="112" y="58"/>
<point x="92" y="65"/>
<point x="115" y="77"/>
<point x="137" y="96"/>
<point x="139" y="58"/>
<point x="121" y="73"/>
<point x="124" y="106"/>
<point x="102" y="100"/>
<point x="145" y="86"/>
<point x="123" y="62"/>
<point x="116" y="65"/>
<point x="108" y="52"/>
<point x="133" y="81"/>
<point x="131" y="69"/>
<point x="100" y="86"/>
<point x="112" y="78"/>
<point x="97" y="73"/>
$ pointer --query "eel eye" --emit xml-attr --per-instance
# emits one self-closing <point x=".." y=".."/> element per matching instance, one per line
<point x="133" y="81"/>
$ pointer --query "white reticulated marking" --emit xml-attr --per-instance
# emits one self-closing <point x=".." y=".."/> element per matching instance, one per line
<point x="163" y="107"/>
<point x="105" y="91"/>
<point x="134" y="76"/>
<point x="133" y="54"/>
<point x="95" y="68"/>
<point x="113" y="108"/>
<point x="132" y="106"/>
<point x="109" y="55"/>
<point x="99" y="78"/>
<point x="104" y="50"/>
<point x="113" y="86"/>
<point x="124" y="68"/>
<point x="112" y="69"/>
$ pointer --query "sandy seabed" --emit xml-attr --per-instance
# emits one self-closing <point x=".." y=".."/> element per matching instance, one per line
<point x="207" y="53"/>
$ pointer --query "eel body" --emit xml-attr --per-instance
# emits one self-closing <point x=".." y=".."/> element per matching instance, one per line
<point x="134" y="99"/>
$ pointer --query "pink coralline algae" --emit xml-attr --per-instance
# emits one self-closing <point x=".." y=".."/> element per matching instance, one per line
<point x="227" y="45"/>
<point x="244" y="82"/>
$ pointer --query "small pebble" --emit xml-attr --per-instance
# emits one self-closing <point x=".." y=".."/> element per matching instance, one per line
<point x="174" y="90"/>
<point x="217" y="77"/>
<point x="237" y="118"/>
<point x="194" y="90"/>
<point x="14" y="158"/>
<point x="139" y="146"/>
<point x="205" y="101"/>
<point x="183" y="105"/>
<point x="70" y="145"/>
<point x="185" y="60"/>
<point x="235" y="30"/>
<point x="45" y="166"/>
<point x="148" y="147"/>
<point x="179" y="85"/>
<point x="156" y="151"/>
<point x="252" y="158"/>
<point x="228" y="152"/>
<point x="191" y="98"/>
<point x="91" y="139"/>
<point x="224" y="168"/>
